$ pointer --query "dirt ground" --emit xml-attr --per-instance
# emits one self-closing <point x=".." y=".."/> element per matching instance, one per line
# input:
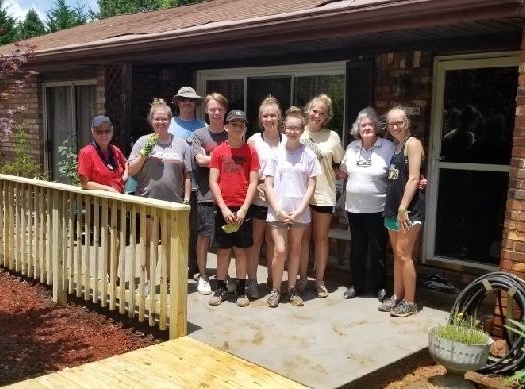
<point x="39" y="337"/>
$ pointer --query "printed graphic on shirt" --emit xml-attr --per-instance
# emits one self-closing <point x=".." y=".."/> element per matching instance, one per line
<point x="234" y="163"/>
<point x="393" y="173"/>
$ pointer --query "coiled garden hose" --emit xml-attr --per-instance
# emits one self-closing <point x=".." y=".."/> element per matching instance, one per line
<point x="471" y="298"/>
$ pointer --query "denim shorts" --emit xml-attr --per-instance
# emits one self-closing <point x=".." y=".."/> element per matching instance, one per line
<point x="392" y="224"/>
<point x="205" y="219"/>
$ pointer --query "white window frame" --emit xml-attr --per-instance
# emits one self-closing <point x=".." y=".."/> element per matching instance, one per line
<point x="442" y="64"/>
<point x="292" y="71"/>
<point x="54" y="84"/>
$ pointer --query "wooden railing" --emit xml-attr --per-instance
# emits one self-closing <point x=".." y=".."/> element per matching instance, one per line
<point x="93" y="244"/>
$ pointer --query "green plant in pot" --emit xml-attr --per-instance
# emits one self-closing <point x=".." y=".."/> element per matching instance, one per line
<point x="459" y="345"/>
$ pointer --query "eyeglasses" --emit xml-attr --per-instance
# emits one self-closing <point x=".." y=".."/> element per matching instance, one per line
<point x="397" y="124"/>
<point x="363" y="163"/>
<point x="294" y="129"/>
<point x="100" y="132"/>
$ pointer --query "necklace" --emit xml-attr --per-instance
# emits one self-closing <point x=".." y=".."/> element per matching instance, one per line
<point x="108" y="162"/>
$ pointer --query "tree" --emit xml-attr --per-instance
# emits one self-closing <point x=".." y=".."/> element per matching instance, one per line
<point x="110" y="8"/>
<point x="7" y="26"/>
<point x="31" y="26"/>
<point x="61" y="16"/>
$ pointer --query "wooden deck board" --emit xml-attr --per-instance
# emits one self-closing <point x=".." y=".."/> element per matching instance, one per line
<point x="183" y="362"/>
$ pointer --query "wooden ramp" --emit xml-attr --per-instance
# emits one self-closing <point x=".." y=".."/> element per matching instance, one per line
<point x="179" y="363"/>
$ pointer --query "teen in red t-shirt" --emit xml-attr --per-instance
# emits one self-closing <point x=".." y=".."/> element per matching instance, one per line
<point x="234" y="174"/>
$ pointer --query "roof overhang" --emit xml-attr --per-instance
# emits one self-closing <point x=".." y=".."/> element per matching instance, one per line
<point x="334" y="24"/>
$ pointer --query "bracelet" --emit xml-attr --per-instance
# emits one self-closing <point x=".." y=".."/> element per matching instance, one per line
<point x="401" y="210"/>
<point x="186" y="202"/>
<point x="244" y="209"/>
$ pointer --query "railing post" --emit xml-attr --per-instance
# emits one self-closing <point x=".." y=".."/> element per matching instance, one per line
<point x="179" y="272"/>
<point x="57" y="256"/>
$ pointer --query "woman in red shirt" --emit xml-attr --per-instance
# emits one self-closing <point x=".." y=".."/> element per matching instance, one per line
<point x="102" y="166"/>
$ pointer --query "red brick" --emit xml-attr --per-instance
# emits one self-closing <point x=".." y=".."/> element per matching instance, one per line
<point x="506" y="264"/>
<point x="519" y="267"/>
<point x="519" y="247"/>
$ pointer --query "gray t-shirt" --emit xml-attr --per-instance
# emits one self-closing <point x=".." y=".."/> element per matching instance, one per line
<point x="204" y="139"/>
<point x="162" y="176"/>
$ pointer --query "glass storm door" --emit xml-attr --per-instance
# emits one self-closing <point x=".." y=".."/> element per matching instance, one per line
<point x="470" y="149"/>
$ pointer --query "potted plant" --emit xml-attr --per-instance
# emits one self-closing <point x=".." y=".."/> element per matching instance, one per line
<point x="459" y="345"/>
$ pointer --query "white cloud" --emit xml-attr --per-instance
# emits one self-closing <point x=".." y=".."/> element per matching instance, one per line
<point x="18" y="11"/>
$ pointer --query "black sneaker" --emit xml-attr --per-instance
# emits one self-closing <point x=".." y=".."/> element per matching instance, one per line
<point x="220" y="295"/>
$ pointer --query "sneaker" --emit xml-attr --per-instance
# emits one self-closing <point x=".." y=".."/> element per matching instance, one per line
<point x="300" y="285"/>
<point x="273" y="298"/>
<point x="242" y="301"/>
<point x="252" y="290"/>
<point x="218" y="297"/>
<point x="203" y="285"/>
<point x="320" y="289"/>
<point x="295" y="299"/>
<point x="404" y="309"/>
<point x="351" y="293"/>
<point x="381" y="294"/>
<point x="388" y="304"/>
<point x="231" y="285"/>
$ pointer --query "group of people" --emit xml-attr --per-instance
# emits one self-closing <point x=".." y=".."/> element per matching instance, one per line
<point x="278" y="186"/>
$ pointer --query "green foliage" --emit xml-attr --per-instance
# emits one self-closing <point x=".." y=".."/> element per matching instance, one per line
<point x="518" y="378"/>
<point x="22" y="163"/>
<point x="68" y="163"/>
<point x="7" y="26"/>
<point x="61" y="16"/>
<point x="31" y="26"/>
<point x="109" y="8"/>
<point x="462" y="330"/>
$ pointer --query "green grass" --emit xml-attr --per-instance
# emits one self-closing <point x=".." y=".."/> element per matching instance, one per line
<point x="462" y="331"/>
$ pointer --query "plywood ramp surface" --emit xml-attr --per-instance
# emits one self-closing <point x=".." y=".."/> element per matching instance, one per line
<point x="180" y="363"/>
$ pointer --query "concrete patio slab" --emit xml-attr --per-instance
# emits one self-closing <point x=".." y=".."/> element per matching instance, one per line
<point x="327" y="343"/>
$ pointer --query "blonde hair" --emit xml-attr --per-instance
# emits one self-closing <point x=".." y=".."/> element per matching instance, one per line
<point x="296" y="113"/>
<point x="159" y="105"/>
<point x="400" y="111"/>
<point x="270" y="100"/>
<point x="218" y="98"/>
<point x="326" y="101"/>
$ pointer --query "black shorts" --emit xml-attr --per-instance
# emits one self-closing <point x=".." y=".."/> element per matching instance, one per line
<point x="323" y="208"/>
<point x="242" y="238"/>
<point x="259" y="212"/>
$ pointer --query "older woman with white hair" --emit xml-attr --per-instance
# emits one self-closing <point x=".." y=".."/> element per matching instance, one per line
<point x="366" y="163"/>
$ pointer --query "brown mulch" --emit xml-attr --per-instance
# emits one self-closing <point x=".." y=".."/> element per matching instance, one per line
<point x="39" y="337"/>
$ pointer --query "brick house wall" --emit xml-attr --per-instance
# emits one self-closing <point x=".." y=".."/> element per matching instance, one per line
<point x="405" y="79"/>
<point x="31" y="119"/>
<point x="513" y="244"/>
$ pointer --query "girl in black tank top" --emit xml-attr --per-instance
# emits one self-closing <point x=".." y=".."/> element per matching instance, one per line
<point x="404" y="213"/>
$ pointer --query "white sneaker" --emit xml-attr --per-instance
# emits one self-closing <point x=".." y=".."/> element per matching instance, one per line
<point x="203" y="285"/>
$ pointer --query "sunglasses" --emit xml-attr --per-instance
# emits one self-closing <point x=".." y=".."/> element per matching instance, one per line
<point x="185" y="100"/>
<point x="99" y="132"/>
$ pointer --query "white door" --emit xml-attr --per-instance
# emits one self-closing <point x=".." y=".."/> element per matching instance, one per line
<point x="469" y="155"/>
